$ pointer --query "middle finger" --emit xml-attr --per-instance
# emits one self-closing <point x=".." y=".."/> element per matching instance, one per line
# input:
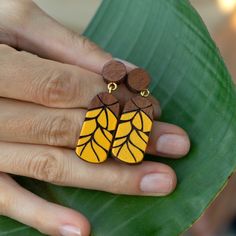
<point x="26" y="77"/>
<point x="61" y="166"/>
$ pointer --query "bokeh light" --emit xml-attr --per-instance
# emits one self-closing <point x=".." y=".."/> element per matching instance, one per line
<point x="233" y="22"/>
<point x="227" y="5"/>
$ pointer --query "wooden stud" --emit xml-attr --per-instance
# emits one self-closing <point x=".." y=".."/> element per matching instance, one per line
<point x="138" y="80"/>
<point x="114" y="71"/>
<point x="98" y="128"/>
<point x="132" y="134"/>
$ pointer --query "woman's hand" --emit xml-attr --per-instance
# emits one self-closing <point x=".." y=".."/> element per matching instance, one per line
<point x="42" y="109"/>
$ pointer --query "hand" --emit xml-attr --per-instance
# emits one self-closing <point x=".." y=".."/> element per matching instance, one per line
<point x="42" y="109"/>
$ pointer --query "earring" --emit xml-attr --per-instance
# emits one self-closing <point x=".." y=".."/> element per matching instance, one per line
<point x="102" y="117"/>
<point x="132" y="134"/>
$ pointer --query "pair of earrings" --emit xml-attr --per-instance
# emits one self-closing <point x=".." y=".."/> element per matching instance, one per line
<point x="104" y="129"/>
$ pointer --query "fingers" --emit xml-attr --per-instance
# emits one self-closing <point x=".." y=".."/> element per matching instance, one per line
<point x="48" y="218"/>
<point x="63" y="167"/>
<point x="168" y="140"/>
<point x="45" y="82"/>
<point x="47" y="38"/>
<point x="26" y="26"/>
<point x="49" y="83"/>
<point x="60" y="127"/>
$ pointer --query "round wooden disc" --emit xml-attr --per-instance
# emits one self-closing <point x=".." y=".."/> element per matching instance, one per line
<point x="114" y="71"/>
<point x="138" y="80"/>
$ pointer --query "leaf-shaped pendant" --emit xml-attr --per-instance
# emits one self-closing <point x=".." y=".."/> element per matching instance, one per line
<point x="132" y="135"/>
<point x="98" y="128"/>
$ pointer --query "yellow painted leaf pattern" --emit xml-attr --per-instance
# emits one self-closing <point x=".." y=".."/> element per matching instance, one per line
<point x="96" y="135"/>
<point x="132" y="136"/>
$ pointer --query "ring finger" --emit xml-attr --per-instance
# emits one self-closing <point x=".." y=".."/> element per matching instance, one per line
<point x="30" y="123"/>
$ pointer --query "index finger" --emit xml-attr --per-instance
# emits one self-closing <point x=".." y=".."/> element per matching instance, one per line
<point x="40" y="34"/>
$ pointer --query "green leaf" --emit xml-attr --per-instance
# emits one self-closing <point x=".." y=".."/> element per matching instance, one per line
<point x="168" y="38"/>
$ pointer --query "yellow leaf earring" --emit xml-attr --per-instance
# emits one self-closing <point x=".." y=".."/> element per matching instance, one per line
<point x="132" y="134"/>
<point x="101" y="119"/>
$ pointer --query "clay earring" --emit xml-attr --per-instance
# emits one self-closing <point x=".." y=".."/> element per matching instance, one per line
<point x="101" y="118"/>
<point x="132" y="134"/>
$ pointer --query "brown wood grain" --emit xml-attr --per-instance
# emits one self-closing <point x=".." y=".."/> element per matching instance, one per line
<point x="106" y="99"/>
<point x="114" y="71"/>
<point x="140" y="103"/>
<point x="138" y="80"/>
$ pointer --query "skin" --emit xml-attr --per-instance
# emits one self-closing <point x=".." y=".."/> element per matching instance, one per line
<point x="45" y="88"/>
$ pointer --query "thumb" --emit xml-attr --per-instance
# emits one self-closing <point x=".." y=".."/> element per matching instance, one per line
<point x="36" y="32"/>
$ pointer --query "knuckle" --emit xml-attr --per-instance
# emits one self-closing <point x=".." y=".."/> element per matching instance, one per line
<point x="91" y="47"/>
<point x="46" y="166"/>
<point x="60" y="131"/>
<point x="88" y="45"/>
<point x="57" y="89"/>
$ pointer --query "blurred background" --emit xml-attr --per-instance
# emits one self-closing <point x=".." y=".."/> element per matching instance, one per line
<point x="220" y="18"/>
<point x="218" y="15"/>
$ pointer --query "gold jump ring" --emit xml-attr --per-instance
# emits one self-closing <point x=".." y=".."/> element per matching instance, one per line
<point x="111" y="87"/>
<point x="145" y="93"/>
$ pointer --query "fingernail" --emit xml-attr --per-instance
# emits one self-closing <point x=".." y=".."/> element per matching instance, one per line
<point x="156" y="183"/>
<point x="128" y="64"/>
<point x="68" y="230"/>
<point x="173" y="144"/>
